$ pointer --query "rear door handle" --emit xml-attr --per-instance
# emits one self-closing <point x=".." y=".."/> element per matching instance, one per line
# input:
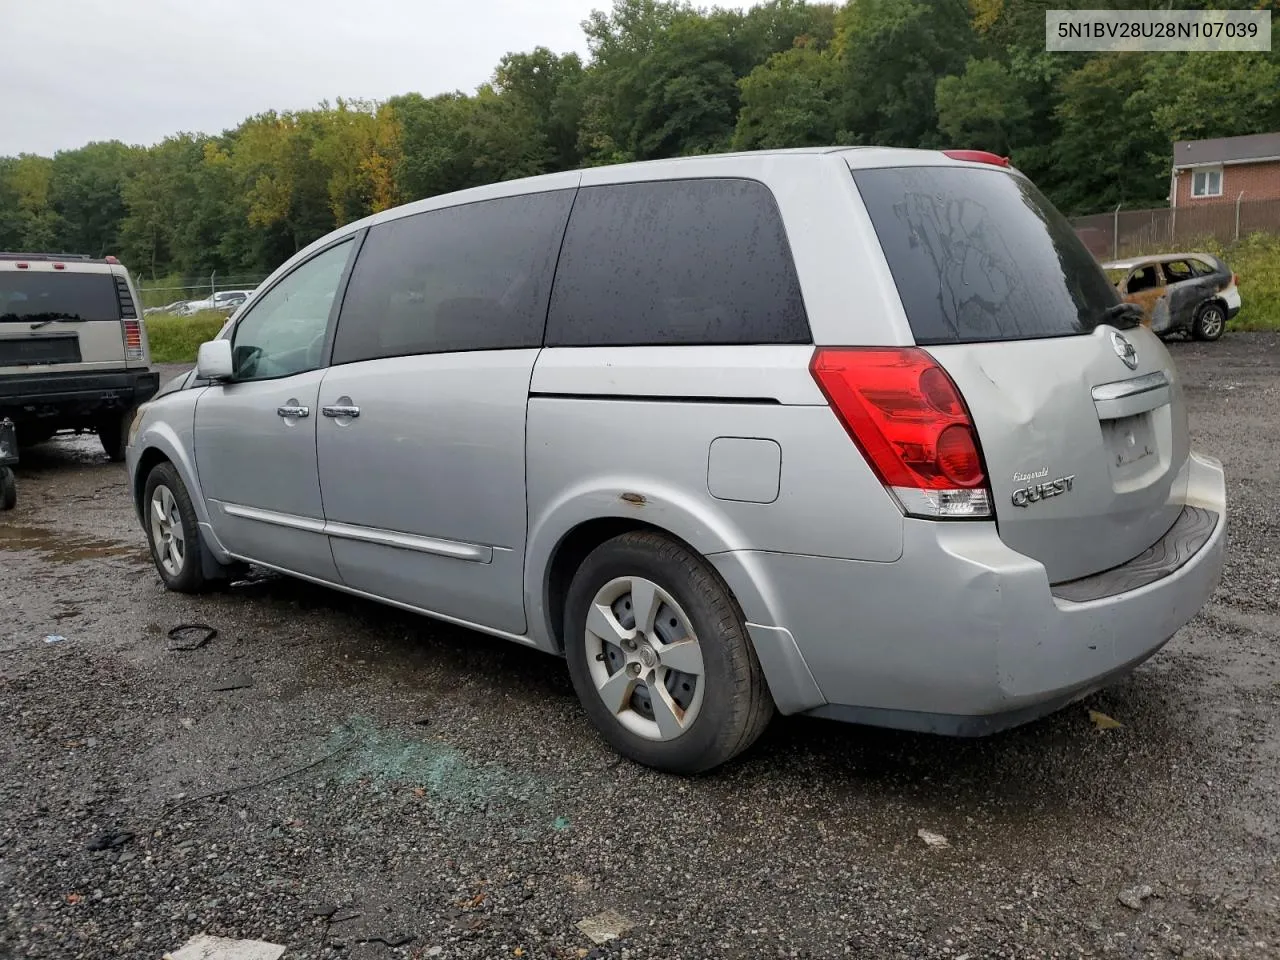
<point x="341" y="410"/>
<point x="293" y="410"/>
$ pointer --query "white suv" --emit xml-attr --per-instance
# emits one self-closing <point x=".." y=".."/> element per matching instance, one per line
<point x="73" y="349"/>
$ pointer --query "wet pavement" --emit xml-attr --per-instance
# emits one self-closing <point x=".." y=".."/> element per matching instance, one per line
<point x="352" y="781"/>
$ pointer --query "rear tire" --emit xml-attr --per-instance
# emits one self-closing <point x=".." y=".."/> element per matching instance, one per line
<point x="32" y="434"/>
<point x="684" y="693"/>
<point x="173" y="533"/>
<point x="8" y="489"/>
<point x="113" y="432"/>
<point x="1210" y="322"/>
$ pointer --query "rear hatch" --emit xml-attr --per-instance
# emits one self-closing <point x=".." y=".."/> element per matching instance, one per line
<point x="1080" y="421"/>
<point x="58" y="316"/>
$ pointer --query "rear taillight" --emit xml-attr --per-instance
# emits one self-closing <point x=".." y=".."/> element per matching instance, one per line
<point x="910" y="422"/>
<point x="132" y="340"/>
<point x="1235" y="279"/>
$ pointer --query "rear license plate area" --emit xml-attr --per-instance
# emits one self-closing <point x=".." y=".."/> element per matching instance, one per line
<point x="23" y="351"/>
<point x="1129" y="440"/>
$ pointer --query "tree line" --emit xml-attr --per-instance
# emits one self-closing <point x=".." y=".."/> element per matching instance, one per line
<point x="661" y="79"/>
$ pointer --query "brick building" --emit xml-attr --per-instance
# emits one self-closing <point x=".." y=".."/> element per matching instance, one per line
<point x="1219" y="171"/>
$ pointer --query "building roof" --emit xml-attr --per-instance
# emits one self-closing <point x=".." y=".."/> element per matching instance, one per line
<point x="1252" y="147"/>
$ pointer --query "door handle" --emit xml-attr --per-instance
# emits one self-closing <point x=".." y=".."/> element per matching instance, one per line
<point x="293" y="410"/>
<point x="341" y="410"/>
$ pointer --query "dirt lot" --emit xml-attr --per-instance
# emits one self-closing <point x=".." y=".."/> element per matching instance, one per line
<point x="377" y="776"/>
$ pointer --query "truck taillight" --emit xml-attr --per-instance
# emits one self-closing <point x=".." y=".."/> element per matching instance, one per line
<point x="132" y="339"/>
<point x="910" y="422"/>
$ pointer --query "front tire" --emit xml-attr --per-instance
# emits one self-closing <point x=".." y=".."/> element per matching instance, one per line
<point x="659" y="655"/>
<point x="173" y="532"/>
<point x="1210" y="322"/>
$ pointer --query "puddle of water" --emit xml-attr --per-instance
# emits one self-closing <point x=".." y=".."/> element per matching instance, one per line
<point x="63" y="547"/>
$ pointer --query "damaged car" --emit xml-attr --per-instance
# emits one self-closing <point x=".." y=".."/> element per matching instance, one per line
<point x="1193" y="293"/>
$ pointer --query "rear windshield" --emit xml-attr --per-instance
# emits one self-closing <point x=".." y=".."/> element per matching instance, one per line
<point x="45" y="295"/>
<point x="981" y="255"/>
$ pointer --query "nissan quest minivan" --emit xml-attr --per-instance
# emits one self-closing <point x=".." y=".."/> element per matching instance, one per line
<point x="860" y="433"/>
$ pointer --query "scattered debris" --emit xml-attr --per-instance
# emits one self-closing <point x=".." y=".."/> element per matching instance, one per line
<point x="238" y="682"/>
<point x="1103" y="722"/>
<point x="604" y="927"/>
<point x="1133" y="897"/>
<point x="186" y="723"/>
<point x="933" y="839"/>
<point x="176" y="633"/>
<point x="205" y="947"/>
<point x="343" y="916"/>
<point x="73" y="898"/>
<point x="392" y="941"/>
<point x="561" y="823"/>
<point x="110" y="840"/>
<point x="54" y="638"/>
<point x="323" y="910"/>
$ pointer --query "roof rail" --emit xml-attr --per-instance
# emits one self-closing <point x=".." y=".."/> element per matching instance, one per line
<point x="4" y="255"/>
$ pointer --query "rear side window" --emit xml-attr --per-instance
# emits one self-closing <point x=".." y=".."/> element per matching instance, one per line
<point x="472" y="277"/>
<point x="980" y="255"/>
<point x="1202" y="269"/>
<point x="1177" y="270"/>
<point x="36" y="295"/>
<point x="676" y="263"/>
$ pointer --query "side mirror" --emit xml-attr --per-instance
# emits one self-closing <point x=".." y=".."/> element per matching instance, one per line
<point x="213" y="362"/>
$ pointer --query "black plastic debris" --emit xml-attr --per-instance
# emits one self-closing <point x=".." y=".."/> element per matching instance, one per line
<point x="110" y="840"/>
<point x="181" y="632"/>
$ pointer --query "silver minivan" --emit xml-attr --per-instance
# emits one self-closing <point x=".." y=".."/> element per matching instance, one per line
<point x="859" y="433"/>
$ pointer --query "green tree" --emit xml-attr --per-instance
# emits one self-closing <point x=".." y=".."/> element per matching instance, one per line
<point x="549" y="88"/>
<point x="1108" y="150"/>
<point x="984" y="107"/>
<point x="435" y="148"/>
<point x="789" y="101"/>
<point x="39" y="225"/>
<point x="891" y="54"/>
<point x="86" y="189"/>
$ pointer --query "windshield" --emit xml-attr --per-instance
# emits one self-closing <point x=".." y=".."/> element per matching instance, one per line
<point x="44" y="296"/>
<point x="980" y="255"/>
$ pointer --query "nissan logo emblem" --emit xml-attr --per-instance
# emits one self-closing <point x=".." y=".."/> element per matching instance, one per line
<point x="1125" y="350"/>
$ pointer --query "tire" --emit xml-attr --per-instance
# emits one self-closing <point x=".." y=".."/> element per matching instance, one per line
<point x="697" y="720"/>
<point x="113" y="432"/>
<point x="1210" y="322"/>
<point x="165" y="495"/>
<point x="8" y="489"/>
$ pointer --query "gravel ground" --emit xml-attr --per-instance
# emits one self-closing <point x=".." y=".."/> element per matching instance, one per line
<point x="378" y="776"/>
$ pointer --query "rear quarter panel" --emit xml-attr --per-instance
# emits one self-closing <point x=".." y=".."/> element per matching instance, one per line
<point x="627" y="432"/>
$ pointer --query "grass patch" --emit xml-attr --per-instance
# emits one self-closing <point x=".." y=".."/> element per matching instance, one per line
<point x="176" y="339"/>
<point x="1256" y="260"/>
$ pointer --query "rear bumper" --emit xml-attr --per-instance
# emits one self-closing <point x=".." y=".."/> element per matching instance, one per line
<point x="1231" y="297"/>
<point x="45" y="393"/>
<point x="962" y="635"/>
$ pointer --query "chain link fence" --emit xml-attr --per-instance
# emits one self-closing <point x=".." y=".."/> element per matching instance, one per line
<point x="1128" y="233"/>
<point x="191" y="296"/>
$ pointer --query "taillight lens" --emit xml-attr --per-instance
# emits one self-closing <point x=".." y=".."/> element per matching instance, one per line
<point x="132" y="340"/>
<point x="911" y="423"/>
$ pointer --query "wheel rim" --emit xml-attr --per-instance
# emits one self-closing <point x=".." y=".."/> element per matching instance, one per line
<point x="1211" y="323"/>
<point x="166" y="530"/>
<point x="644" y="658"/>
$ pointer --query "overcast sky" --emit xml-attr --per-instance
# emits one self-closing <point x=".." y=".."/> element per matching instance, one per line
<point x="72" y="71"/>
